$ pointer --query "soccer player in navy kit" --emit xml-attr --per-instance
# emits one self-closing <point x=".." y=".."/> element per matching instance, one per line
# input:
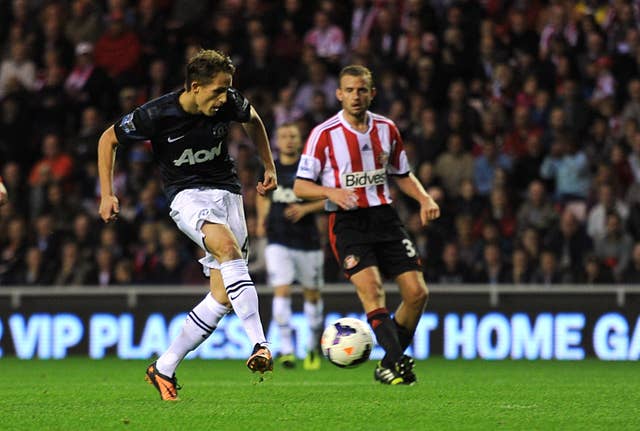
<point x="351" y="155"/>
<point x="293" y="251"/>
<point x="187" y="130"/>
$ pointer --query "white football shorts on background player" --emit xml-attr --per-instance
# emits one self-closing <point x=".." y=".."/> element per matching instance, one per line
<point x="191" y="208"/>
<point x="284" y="265"/>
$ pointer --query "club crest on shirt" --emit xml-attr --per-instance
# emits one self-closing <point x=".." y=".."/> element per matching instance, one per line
<point x="219" y="131"/>
<point x="383" y="158"/>
<point x="350" y="261"/>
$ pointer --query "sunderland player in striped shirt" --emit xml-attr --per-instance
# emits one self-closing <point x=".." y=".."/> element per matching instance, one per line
<point x="188" y="130"/>
<point x="347" y="160"/>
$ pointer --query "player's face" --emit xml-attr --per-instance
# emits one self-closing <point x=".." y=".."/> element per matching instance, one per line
<point x="289" y="141"/>
<point x="210" y="97"/>
<point x="355" y="94"/>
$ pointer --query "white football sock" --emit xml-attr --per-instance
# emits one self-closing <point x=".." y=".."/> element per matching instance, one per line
<point x="282" y="316"/>
<point x="197" y="327"/>
<point x="313" y="311"/>
<point x="244" y="298"/>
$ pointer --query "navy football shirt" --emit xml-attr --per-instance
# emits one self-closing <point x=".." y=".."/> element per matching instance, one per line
<point x="190" y="150"/>
<point x="302" y="235"/>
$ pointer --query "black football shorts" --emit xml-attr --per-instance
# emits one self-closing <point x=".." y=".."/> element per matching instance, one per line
<point x="372" y="237"/>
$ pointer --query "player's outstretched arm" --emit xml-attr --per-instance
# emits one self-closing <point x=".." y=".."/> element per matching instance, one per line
<point x="263" y="206"/>
<point x="307" y="189"/>
<point x="295" y="212"/>
<point x="410" y="186"/>
<point x="109" y="205"/>
<point x="258" y="135"/>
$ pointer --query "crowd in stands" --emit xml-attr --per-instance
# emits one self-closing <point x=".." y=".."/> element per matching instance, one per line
<point x="521" y="118"/>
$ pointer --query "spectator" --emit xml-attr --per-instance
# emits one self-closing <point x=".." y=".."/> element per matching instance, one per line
<point x="102" y="274"/>
<point x="84" y="235"/>
<point x="452" y="270"/>
<point x="427" y="135"/>
<point x="84" y="23"/>
<point x="607" y="202"/>
<point x="548" y="273"/>
<point x="631" y="274"/>
<point x="17" y="72"/>
<point x="529" y="240"/>
<point x="146" y="253"/>
<point x="158" y="80"/>
<point x="51" y="36"/>
<point x="46" y="238"/>
<point x="615" y="247"/>
<point x="454" y="165"/>
<point x="12" y="251"/>
<point x="318" y="80"/>
<point x="83" y="144"/>
<point x="537" y="212"/>
<point x="467" y="201"/>
<point x="631" y="109"/>
<point x="287" y="44"/>
<point x="169" y="270"/>
<point x="465" y="240"/>
<point x="527" y="167"/>
<point x="571" y="243"/>
<point x="520" y="271"/>
<point x="35" y="271"/>
<point x="500" y="213"/>
<point x="485" y="166"/>
<point x="118" y="51"/>
<point x="493" y="270"/>
<point x="515" y="143"/>
<point x="594" y="272"/>
<point x="88" y="84"/>
<point x="261" y="70"/>
<point x="150" y="28"/>
<point x="14" y="187"/>
<point x="70" y="272"/>
<point x="123" y="273"/>
<point x="284" y="110"/>
<point x="61" y="208"/>
<point x="55" y="165"/>
<point x="568" y="166"/>
<point x="326" y="38"/>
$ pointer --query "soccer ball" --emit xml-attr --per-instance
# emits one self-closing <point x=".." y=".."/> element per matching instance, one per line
<point x="347" y="342"/>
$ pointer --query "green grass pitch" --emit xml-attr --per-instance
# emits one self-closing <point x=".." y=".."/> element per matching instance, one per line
<point x="83" y="394"/>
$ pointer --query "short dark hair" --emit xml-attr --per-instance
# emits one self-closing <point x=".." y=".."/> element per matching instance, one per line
<point x="206" y="64"/>
<point x="357" y="70"/>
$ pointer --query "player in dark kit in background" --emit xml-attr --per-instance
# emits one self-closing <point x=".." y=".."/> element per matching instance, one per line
<point x="187" y="130"/>
<point x="351" y="154"/>
<point x="293" y="251"/>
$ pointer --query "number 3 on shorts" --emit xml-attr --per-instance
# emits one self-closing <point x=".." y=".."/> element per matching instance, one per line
<point x="411" y="251"/>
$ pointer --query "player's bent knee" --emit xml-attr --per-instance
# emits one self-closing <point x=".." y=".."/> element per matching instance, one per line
<point x="371" y="293"/>
<point x="226" y="251"/>
<point x="417" y="296"/>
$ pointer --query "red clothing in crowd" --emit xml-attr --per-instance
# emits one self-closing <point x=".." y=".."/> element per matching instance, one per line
<point x="57" y="168"/>
<point x="118" y="54"/>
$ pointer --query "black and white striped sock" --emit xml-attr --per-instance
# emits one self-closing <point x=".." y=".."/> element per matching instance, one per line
<point x="198" y="325"/>
<point x="243" y="297"/>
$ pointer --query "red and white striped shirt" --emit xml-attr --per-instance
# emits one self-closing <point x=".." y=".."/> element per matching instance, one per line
<point x="343" y="157"/>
